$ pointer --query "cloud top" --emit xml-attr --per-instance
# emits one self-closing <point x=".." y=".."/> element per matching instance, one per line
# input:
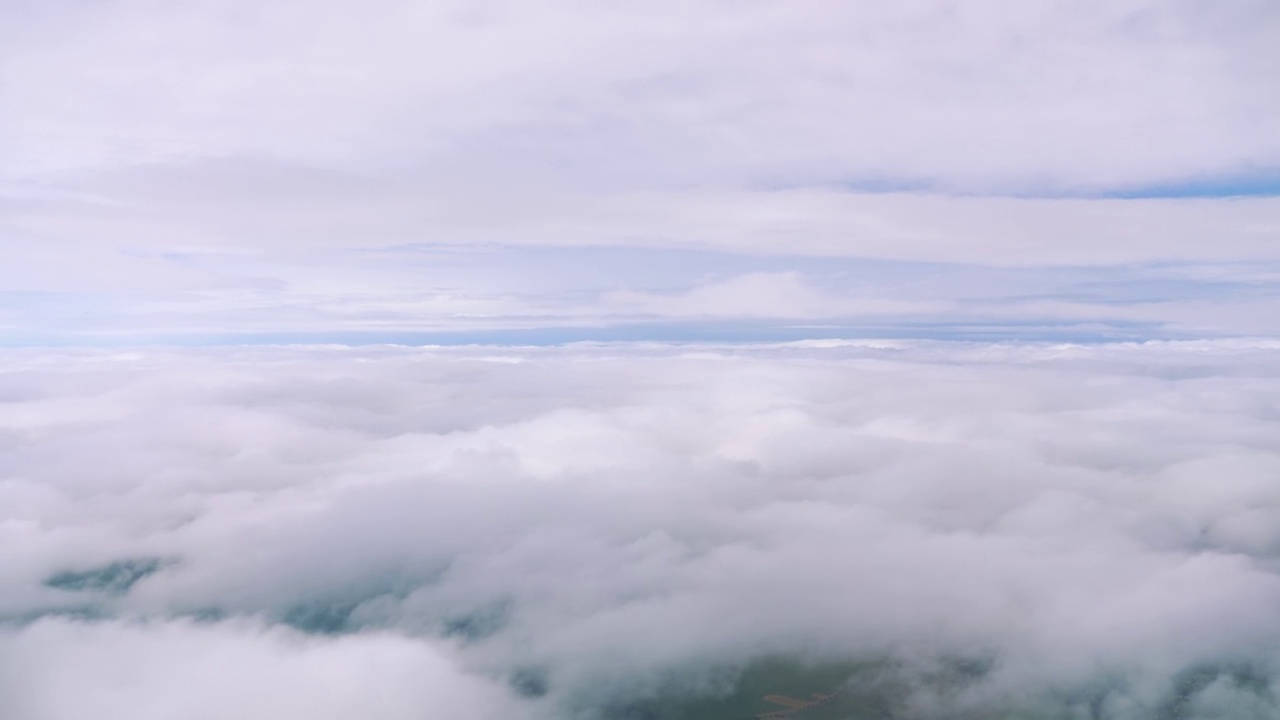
<point x="580" y="523"/>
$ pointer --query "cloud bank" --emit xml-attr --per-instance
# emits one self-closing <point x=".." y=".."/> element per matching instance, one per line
<point x="572" y="532"/>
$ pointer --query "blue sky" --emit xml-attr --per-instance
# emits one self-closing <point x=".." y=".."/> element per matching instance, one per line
<point x="1252" y="185"/>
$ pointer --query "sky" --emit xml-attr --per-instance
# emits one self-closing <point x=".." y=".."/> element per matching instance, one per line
<point x="451" y="171"/>
<point x="631" y="360"/>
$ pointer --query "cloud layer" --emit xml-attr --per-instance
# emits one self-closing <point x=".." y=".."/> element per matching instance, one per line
<point x="316" y="171"/>
<point x="1088" y="523"/>
<point x="640" y="530"/>
<point x="974" y="95"/>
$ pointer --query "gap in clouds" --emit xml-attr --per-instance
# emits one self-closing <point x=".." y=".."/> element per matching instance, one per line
<point x="1261" y="183"/>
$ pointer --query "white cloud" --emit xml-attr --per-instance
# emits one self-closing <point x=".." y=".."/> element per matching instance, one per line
<point x="323" y="531"/>
<point x="360" y="264"/>
<point x="981" y="94"/>
<point x="602" y="514"/>
<point x="55" y="670"/>
<point x="762" y="295"/>
<point x="211" y="169"/>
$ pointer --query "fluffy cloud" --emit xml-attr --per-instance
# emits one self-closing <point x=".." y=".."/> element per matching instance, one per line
<point x="154" y="670"/>
<point x="1088" y="524"/>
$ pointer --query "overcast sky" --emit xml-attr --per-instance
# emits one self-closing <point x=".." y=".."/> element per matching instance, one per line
<point x="267" y="171"/>
<point x="558" y="360"/>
